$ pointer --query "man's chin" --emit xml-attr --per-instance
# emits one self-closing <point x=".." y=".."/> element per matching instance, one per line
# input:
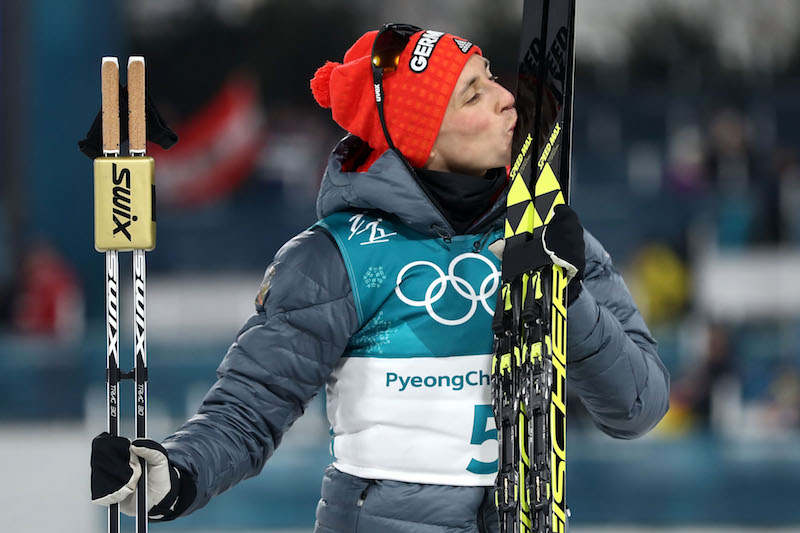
<point x="507" y="157"/>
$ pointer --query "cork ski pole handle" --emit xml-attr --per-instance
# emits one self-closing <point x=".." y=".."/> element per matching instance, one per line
<point x="137" y="131"/>
<point x="109" y="88"/>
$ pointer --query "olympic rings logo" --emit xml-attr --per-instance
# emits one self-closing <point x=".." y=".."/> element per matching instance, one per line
<point x="437" y="288"/>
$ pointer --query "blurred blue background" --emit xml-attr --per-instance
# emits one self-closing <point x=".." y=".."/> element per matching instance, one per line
<point x="685" y="166"/>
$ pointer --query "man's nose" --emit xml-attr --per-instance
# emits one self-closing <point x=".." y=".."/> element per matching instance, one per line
<point x="505" y="100"/>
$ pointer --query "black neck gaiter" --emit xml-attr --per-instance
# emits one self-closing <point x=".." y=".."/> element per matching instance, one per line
<point x="464" y="198"/>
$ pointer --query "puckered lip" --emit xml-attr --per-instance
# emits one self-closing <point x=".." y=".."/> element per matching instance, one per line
<point x="513" y="123"/>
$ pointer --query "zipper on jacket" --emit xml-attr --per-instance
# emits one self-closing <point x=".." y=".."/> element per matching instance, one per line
<point x="479" y="519"/>
<point x="426" y="192"/>
<point x="481" y="523"/>
<point x="442" y="232"/>
<point x="480" y="243"/>
<point x="363" y="497"/>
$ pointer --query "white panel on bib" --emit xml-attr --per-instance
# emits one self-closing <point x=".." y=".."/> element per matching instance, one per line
<point x="419" y="419"/>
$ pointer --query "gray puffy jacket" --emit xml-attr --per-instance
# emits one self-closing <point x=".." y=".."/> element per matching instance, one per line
<point x="305" y="316"/>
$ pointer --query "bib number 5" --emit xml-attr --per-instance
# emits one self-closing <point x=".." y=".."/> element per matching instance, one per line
<point x="483" y="413"/>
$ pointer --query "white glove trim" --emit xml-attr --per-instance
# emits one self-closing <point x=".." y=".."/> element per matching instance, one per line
<point x="569" y="267"/>
<point x="498" y="247"/>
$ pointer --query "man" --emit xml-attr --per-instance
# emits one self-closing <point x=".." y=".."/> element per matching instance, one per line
<point x="387" y="301"/>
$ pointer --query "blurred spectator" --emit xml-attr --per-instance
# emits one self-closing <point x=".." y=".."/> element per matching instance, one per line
<point x="50" y="300"/>
<point x="297" y="152"/>
<point x="6" y="271"/>
<point x="698" y="391"/>
<point x="730" y="156"/>
<point x="659" y="283"/>
<point x="785" y="393"/>
<point x="685" y="170"/>
<point x="786" y="171"/>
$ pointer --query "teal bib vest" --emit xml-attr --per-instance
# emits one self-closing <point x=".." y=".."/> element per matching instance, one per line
<point x="410" y="398"/>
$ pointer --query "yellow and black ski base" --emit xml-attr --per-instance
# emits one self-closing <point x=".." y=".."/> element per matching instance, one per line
<point x="530" y="324"/>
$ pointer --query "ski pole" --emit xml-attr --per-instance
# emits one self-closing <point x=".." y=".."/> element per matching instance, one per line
<point x="124" y="220"/>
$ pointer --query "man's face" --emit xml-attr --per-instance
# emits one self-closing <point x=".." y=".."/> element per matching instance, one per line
<point x="478" y="124"/>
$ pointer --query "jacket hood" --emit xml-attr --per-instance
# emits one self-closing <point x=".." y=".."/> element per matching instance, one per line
<point x="388" y="186"/>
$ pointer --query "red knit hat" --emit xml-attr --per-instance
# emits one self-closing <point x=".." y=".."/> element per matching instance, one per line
<point x="414" y="102"/>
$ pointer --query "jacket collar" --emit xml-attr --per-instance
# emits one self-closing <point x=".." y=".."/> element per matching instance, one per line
<point x="388" y="186"/>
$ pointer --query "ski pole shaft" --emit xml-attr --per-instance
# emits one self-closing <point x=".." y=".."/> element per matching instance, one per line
<point x="137" y="147"/>
<point x="109" y="74"/>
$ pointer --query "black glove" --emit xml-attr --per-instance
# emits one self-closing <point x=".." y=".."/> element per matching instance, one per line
<point x="116" y="470"/>
<point x="563" y="242"/>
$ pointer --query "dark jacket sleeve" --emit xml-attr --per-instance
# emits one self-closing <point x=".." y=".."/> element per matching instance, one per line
<point x="281" y="358"/>
<point x="612" y="359"/>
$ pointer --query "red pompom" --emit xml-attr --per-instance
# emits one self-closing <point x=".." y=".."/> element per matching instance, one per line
<point x="321" y="83"/>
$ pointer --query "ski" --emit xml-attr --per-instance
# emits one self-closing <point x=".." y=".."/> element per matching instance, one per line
<point x="529" y="361"/>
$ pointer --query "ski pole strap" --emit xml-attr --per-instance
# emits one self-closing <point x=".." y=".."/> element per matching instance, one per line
<point x="525" y="255"/>
<point x="157" y="129"/>
<point x="501" y="321"/>
<point x="532" y="293"/>
<point x="121" y="376"/>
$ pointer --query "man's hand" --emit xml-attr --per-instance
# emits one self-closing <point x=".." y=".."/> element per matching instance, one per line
<point x="562" y="239"/>
<point x="563" y="242"/>
<point x="116" y="470"/>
